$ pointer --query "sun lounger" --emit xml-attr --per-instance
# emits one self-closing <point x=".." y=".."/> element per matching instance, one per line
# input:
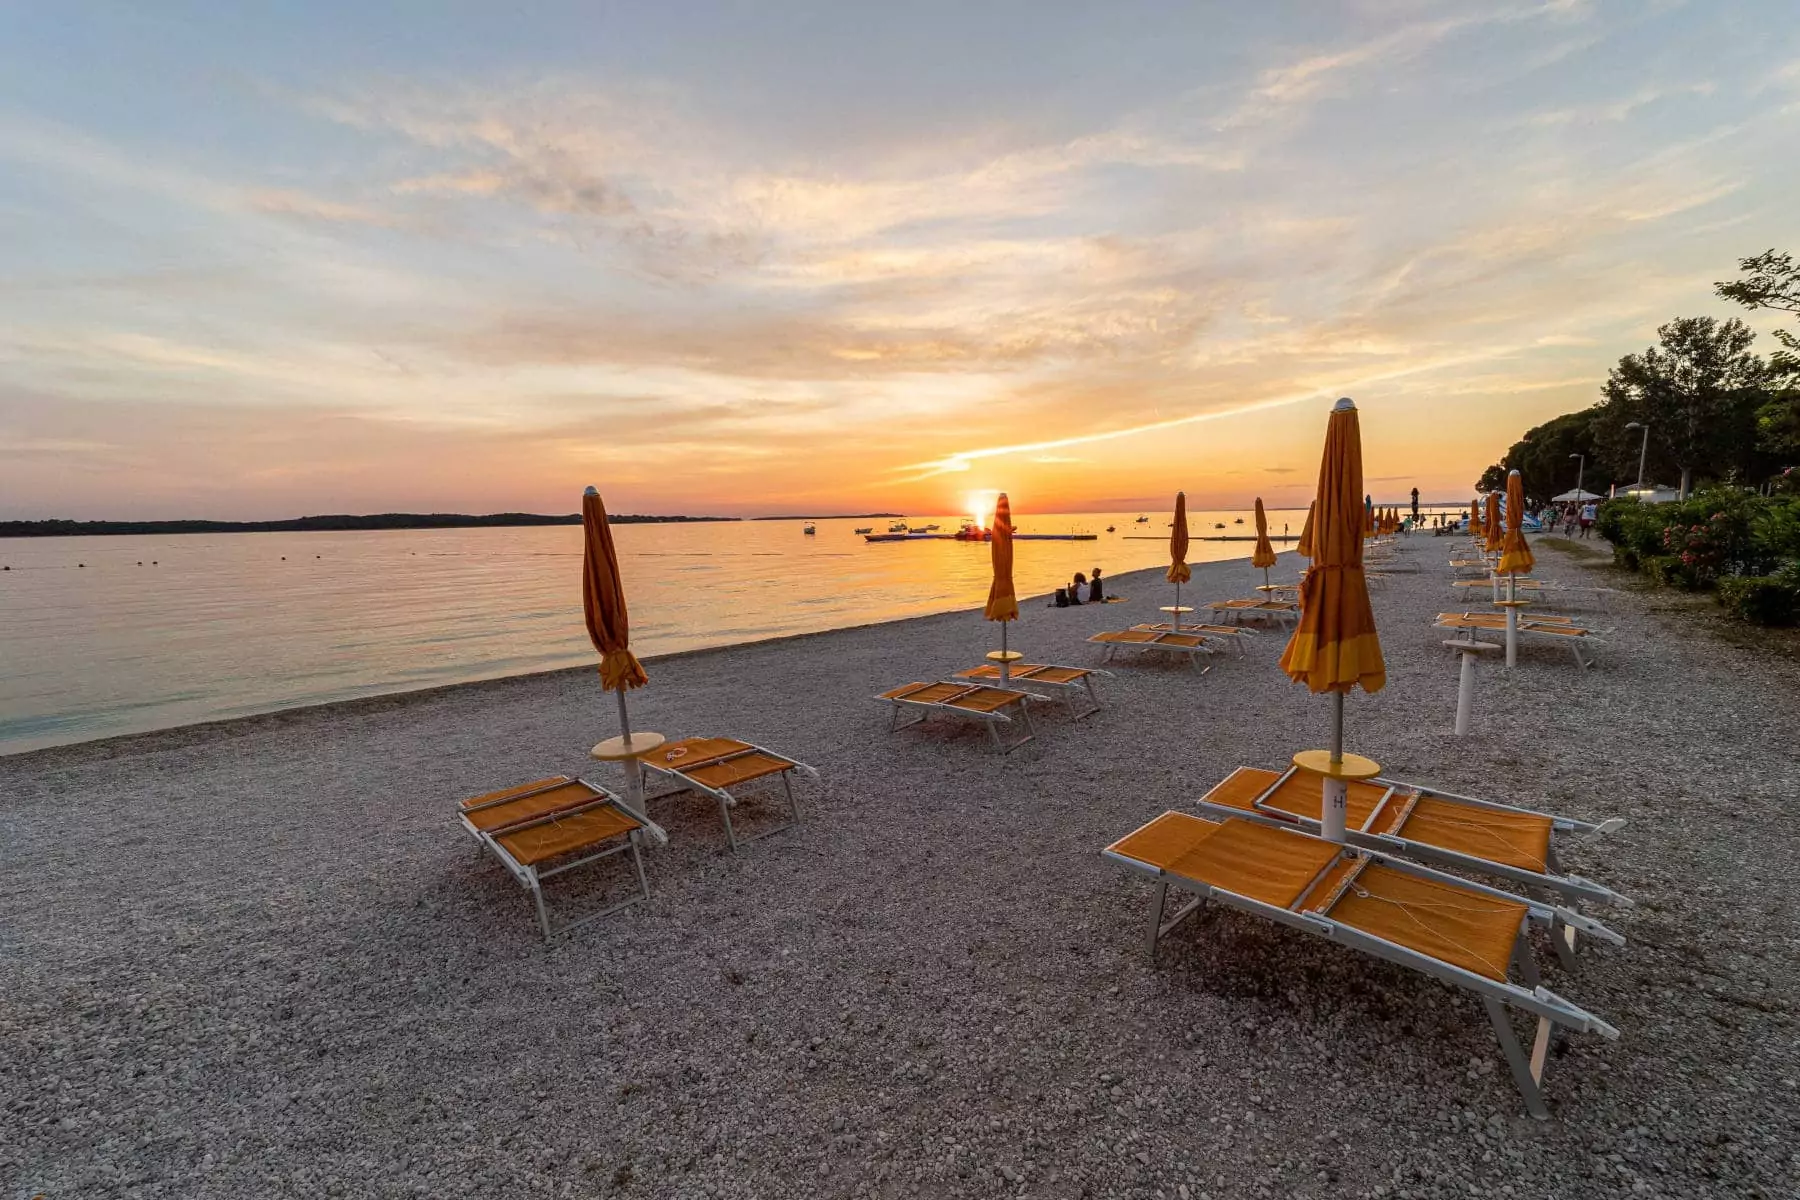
<point x="1461" y="933"/>
<point x="1192" y="645"/>
<point x="1229" y="635"/>
<point x="1069" y="683"/>
<point x="1501" y="840"/>
<point x="719" y="767"/>
<point x="989" y="705"/>
<point x="1276" y="612"/>
<point x="1541" y="625"/>
<point x="569" y="822"/>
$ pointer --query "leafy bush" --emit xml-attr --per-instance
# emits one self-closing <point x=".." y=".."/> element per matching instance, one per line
<point x="1667" y="570"/>
<point x="1776" y="528"/>
<point x="1761" y="599"/>
<point x="1624" y="556"/>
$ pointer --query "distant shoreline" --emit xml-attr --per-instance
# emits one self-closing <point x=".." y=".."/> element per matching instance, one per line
<point x="833" y="517"/>
<point x="323" y="524"/>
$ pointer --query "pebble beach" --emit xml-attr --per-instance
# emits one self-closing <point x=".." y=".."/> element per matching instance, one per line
<point x="259" y="958"/>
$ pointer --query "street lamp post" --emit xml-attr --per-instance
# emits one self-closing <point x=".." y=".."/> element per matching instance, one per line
<point x="1580" y="474"/>
<point x="1643" y="449"/>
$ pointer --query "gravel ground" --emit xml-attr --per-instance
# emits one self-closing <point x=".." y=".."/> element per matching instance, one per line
<point x="259" y="959"/>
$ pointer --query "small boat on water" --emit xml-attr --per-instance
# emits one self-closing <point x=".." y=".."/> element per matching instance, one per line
<point x="1239" y="521"/>
<point x="1110" y="529"/>
<point x="810" y="529"/>
<point x="897" y="527"/>
<point x="1221" y="524"/>
<point x="1142" y="519"/>
<point x="866" y="529"/>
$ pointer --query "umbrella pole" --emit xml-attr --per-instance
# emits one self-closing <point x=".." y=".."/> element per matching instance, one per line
<point x="634" y="771"/>
<point x="1177" y="613"/>
<point x="1005" y="660"/>
<point x="1331" y="812"/>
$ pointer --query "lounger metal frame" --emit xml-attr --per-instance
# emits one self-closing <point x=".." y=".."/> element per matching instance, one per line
<point x="1574" y="888"/>
<point x="1282" y="617"/>
<point x="726" y="801"/>
<point x="1204" y="646"/>
<point x="532" y="878"/>
<point x="1589" y="636"/>
<point x="1067" y="692"/>
<point x="1532" y="998"/>
<point x="993" y="720"/>
<point x="1231" y="635"/>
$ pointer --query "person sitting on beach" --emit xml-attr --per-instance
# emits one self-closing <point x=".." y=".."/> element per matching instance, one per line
<point x="1096" y="593"/>
<point x="1075" y="587"/>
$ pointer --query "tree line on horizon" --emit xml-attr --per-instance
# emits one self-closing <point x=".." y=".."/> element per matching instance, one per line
<point x="1716" y="410"/>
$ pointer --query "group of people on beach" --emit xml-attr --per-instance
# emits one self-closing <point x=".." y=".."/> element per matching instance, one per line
<point x="1071" y="593"/>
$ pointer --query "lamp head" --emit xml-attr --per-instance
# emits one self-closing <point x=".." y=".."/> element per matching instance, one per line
<point x="1633" y="425"/>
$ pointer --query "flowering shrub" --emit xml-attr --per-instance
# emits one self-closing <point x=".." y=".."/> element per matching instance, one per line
<point x="1703" y="547"/>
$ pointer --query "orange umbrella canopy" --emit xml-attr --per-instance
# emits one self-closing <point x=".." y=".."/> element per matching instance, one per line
<point x="1475" y="515"/>
<point x="1178" y="543"/>
<point x="1515" y="552"/>
<point x="1264" y="554"/>
<point x="1335" y="647"/>
<point x="1491" y="526"/>
<point x="603" y="600"/>
<point x="1002" y="603"/>
<point x="1305" y="544"/>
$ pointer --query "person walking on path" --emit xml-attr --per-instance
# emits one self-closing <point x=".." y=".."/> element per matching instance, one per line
<point x="1588" y="515"/>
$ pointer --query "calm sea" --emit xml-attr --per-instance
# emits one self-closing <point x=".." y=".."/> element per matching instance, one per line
<point x="110" y="635"/>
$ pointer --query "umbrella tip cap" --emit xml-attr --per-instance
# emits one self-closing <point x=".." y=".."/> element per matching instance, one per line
<point x="591" y="490"/>
<point x="1344" y="404"/>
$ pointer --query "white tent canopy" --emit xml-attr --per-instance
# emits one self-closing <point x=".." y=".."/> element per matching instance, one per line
<point x="1576" y="494"/>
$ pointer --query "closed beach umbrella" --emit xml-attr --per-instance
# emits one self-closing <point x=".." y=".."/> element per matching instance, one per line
<point x="1515" y="551"/>
<point x="1264" y="554"/>
<point x="1475" y="517"/>
<point x="1002" y="602"/>
<point x="1178" y="572"/>
<point x="1305" y="545"/>
<point x="1491" y="526"/>
<point x="1335" y="647"/>
<point x="1369" y="518"/>
<point x="603" y="602"/>
<point x="1515" y="560"/>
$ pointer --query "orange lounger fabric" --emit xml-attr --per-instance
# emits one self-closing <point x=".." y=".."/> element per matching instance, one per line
<point x="1467" y="929"/>
<point x="494" y="811"/>
<point x="718" y="762"/>
<point x="1270" y="865"/>
<point x="956" y="695"/>
<point x="559" y="835"/>
<point x="1516" y="839"/>
<point x="1165" y="840"/>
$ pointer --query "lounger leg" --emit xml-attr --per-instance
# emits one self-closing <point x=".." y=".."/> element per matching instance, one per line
<point x="1563" y="938"/>
<point x="994" y="732"/>
<point x="1156" y="914"/>
<point x="537" y="894"/>
<point x="637" y="864"/>
<point x="787" y="782"/>
<point x="1527" y="1072"/>
<point x="725" y="816"/>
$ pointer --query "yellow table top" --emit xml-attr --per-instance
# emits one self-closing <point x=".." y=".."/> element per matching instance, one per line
<point x="1004" y="656"/>
<point x="1175" y="608"/>
<point x="1512" y="603"/>
<point x="617" y="749"/>
<point x="1353" y="766"/>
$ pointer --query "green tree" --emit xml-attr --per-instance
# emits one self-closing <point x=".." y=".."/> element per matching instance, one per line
<point x="1772" y="281"/>
<point x="1699" y="390"/>
<point x="1543" y="459"/>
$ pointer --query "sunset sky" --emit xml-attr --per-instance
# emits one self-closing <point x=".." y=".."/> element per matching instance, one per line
<point x="274" y="259"/>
